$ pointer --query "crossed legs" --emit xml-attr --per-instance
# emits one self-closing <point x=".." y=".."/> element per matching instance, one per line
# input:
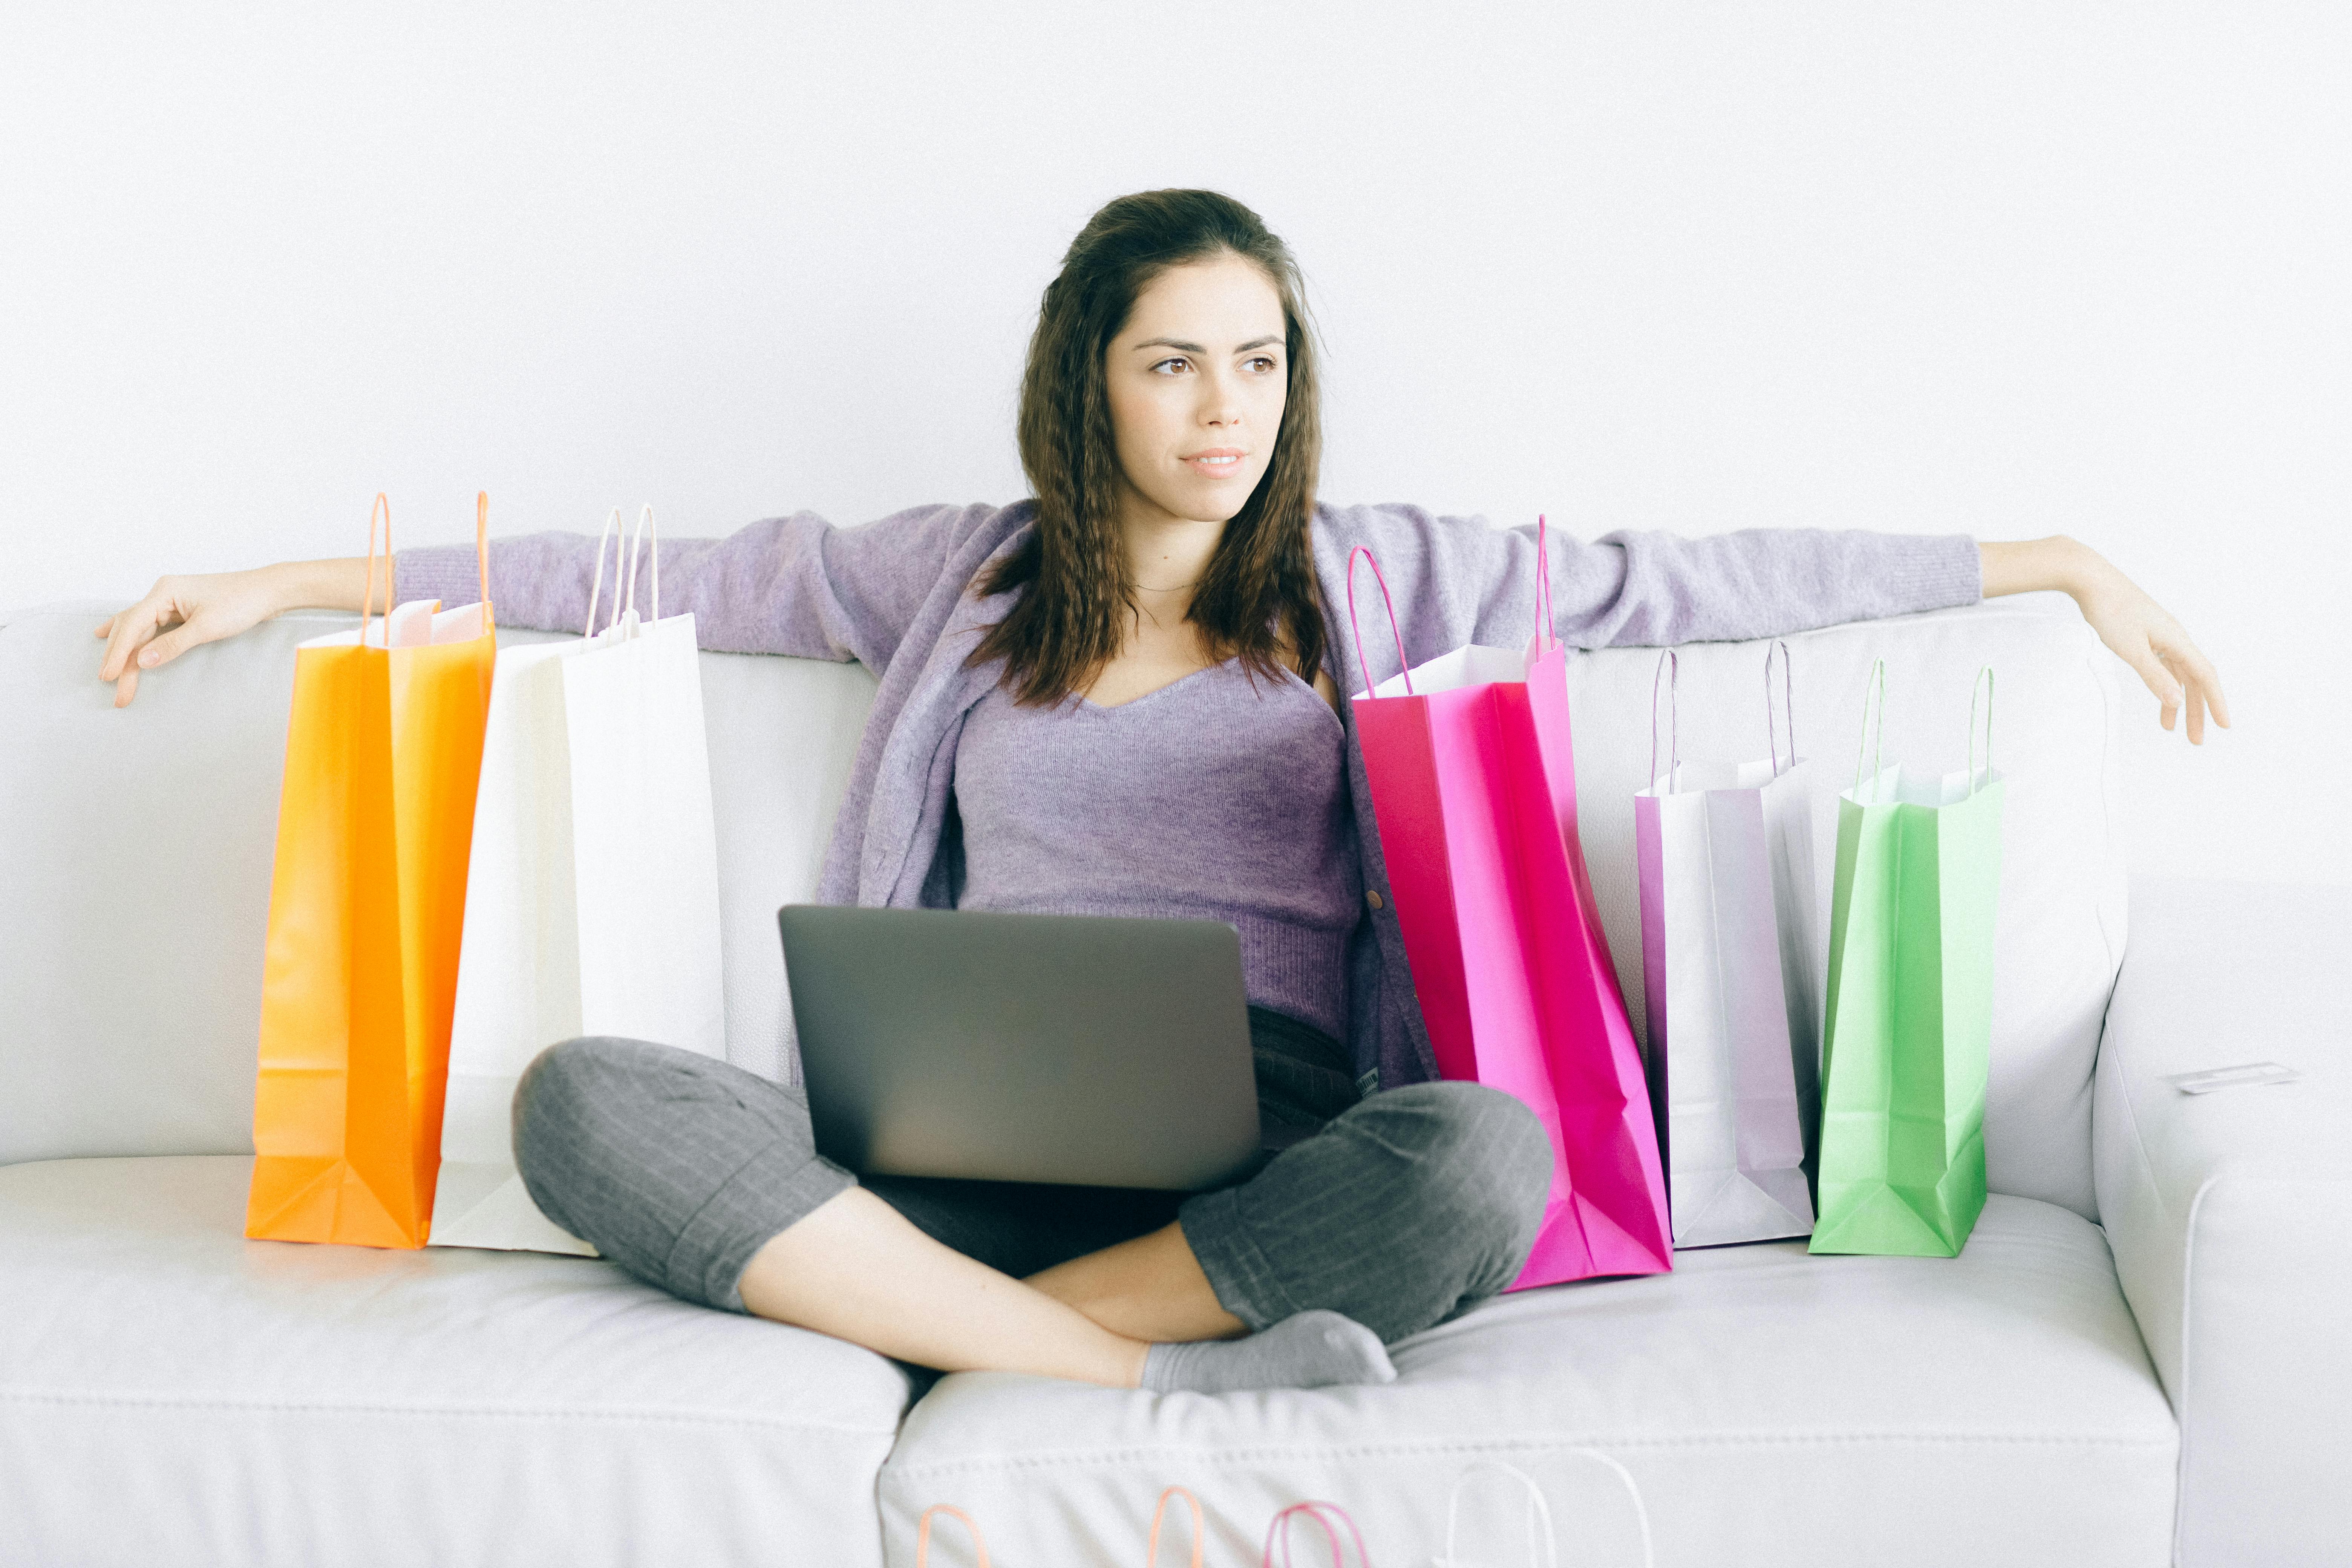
<point x="703" y="1179"/>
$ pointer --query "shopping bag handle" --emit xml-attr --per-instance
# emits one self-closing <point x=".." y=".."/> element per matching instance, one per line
<point x="647" y="530"/>
<point x="596" y="592"/>
<point x="381" y="509"/>
<point x="1316" y="1511"/>
<point x="1539" y="1510"/>
<point x="1876" y="686"/>
<point x="482" y="555"/>
<point x="1668" y="660"/>
<point x="1984" y="684"/>
<point x="1200" y="1527"/>
<point x="1787" y="704"/>
<point x="1544" y="638"/>
<point x="1394" y="630"/>
<point x="923" y="1533"/>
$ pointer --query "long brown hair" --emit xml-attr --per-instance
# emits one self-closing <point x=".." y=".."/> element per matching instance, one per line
<point x="1258" y="592"/>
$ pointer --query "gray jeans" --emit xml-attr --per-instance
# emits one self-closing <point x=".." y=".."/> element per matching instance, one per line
<point x="1400" y="1211"/>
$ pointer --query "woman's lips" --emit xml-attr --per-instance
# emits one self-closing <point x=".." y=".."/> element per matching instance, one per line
<point x="1218" y="463"/>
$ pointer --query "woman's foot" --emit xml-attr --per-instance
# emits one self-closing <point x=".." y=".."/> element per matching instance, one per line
<point x="1310" y="1349"/>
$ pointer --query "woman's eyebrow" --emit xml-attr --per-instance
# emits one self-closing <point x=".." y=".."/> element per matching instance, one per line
<point x="1196" y="349"/>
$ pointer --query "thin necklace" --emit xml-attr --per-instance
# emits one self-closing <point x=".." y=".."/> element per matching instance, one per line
<point x="1171" y="588"/>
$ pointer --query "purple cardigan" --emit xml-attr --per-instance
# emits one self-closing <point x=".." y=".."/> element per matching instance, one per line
<point x="893" y="595"/>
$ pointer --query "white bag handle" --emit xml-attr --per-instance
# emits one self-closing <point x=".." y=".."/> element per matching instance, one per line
<point x="648" y="532"/>
<point x="597" y="592"/>
<point x="1670" y="671"/>
<point x="1539" y="1509"/>
<point x="1788" y="705"/>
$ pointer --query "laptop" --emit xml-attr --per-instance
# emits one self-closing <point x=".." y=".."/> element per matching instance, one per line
<point x="1086" y="1049"/>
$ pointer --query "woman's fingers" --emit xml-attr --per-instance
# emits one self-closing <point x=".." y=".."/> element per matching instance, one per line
<point x="163" y="650"/>
<point x="2199" y="683"/>
<point x="106" y="628"/>
<point x="132" y="628"/>
<point x="2151" y="669"/>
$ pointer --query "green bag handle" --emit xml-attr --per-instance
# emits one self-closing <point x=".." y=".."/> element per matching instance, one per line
<point x="1872" y="737"/>
<point x="1983" y="684"/>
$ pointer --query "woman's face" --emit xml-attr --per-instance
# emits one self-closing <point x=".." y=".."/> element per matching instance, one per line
<point x="1197" y="380"/>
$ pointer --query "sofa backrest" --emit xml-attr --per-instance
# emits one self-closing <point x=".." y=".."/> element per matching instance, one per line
<point x="135" y="850"/>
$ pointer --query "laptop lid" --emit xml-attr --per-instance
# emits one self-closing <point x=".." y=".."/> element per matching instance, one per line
<point x="1087" y="1049"/>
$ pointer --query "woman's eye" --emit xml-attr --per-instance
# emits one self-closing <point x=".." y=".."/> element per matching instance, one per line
<point x="1170" y="365"/>
<point x="1261" y="363"/>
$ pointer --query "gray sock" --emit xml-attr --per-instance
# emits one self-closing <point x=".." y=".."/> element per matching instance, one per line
<point x="1311" y="1349"/>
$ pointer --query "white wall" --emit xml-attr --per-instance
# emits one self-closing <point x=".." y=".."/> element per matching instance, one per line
<point x="2001" y="267"/>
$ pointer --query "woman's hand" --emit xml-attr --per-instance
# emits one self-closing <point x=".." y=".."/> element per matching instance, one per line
<point x="2142" y="632"/>
<point x="179" y="613"/>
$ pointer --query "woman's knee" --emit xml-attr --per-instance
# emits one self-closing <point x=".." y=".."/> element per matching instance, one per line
<point x="674" y="1165"/>
<point x="570" y="1088"/>
<point x="563" y="1115"/>
<point x="1478" y="1164"/>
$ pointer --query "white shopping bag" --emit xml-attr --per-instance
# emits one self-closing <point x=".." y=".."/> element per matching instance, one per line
<point x="1725" y="855"/>
<point x="591" y="900"/>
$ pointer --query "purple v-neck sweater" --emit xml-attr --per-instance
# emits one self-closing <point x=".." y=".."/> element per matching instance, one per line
<point x="895" y="595"/>
<point x="1085" y="810"/>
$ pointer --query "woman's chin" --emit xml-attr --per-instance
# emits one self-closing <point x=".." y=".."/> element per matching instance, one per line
<point x="1206" y="500"/>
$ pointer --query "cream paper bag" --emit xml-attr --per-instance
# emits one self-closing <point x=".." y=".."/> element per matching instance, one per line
<point x="591" y="902"/>
<point x="1726" y="854"/>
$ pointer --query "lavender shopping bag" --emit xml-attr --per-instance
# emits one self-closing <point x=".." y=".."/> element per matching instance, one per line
<point x="1726" y="854"/>
<point x="1474" y="786"/>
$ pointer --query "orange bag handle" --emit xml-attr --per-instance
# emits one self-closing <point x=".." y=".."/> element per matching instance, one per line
<point x="383" y="509"/>
<point x="1200" y="1527"/>
<point x="923" y="1534"/>
<point x="481" y="557"/>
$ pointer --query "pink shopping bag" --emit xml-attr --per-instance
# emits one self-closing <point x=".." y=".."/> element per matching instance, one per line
<point x="1474" y="785"/>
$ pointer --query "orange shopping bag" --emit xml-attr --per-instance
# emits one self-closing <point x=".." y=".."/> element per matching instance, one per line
<point x="374" y="824"/>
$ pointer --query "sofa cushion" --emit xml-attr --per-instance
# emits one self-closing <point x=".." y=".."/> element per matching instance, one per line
<point x="1776" y="1408"/>
<point x="137" y="869"/>
<point x="170" y="1392"/>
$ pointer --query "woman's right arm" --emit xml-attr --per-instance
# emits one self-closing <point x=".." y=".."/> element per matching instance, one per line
<point x="785" y="585"/>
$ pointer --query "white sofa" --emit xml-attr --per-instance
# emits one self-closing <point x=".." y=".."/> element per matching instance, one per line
<point x="2144" y="1355"/>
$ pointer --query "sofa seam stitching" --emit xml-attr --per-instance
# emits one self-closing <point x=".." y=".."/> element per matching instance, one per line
<point x="145" y="1402"/>
<point x="896" y="1469"/>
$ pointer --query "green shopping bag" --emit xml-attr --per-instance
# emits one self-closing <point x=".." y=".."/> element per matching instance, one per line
<point x="1906" y="1043"/>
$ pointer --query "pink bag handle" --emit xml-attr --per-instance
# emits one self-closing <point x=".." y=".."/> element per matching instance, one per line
<point x="1787" y="704"/>
<point x="1200" y="1527"/>
<point x="1366" y="552"/>
<point x="1316" y="1511"/>
<point x="1667" y="660"/>
<point x="923" y="1535"/>
<point x="1544" y="638"/>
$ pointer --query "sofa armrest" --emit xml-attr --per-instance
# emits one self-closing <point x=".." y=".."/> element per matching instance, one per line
<point x="2231" y="1214"/>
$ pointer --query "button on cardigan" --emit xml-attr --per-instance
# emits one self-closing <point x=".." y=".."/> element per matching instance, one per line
<point x="896" y="595"/>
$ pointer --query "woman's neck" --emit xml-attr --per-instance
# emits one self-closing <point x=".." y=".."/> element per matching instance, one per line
<point x="1166" y="555"/>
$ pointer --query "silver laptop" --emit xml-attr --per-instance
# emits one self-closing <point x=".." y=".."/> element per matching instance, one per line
<point x="1102" y="1051"/>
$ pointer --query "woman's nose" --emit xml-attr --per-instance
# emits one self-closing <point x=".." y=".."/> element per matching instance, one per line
<point x="1220" y="403"/>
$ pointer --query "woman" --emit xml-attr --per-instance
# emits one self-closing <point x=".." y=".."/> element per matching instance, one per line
<point x="1122" y="697"/>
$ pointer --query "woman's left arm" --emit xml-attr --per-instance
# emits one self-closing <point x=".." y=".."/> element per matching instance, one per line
<point x="2140" y="631"/>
